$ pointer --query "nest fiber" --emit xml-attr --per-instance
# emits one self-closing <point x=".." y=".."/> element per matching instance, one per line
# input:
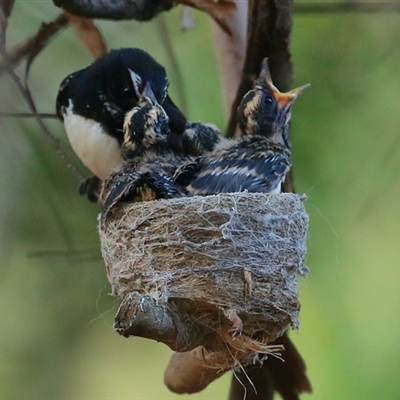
<point x="211" y="271"/>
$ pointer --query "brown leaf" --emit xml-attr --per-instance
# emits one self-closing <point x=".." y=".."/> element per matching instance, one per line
<point x="89" y="34"/>
<point x="217" y="9"/>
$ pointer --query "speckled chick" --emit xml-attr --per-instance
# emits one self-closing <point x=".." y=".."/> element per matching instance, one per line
<point x="150" y="171"/>
<point x="261" y="158"/>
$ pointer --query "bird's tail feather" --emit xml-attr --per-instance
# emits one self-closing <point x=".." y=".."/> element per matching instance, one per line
<point x="287" y="377"/>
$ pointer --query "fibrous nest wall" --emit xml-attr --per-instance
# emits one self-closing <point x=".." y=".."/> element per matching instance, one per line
<point x="217" y="271"/>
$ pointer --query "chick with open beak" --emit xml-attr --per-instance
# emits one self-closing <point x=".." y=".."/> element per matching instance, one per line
<point x="260" y="159"/>
<point x="266" y="111"/>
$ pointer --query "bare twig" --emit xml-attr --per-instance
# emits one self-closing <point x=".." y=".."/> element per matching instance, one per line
<point x="24" y="89"/>
<point x="38" y="41"/>
<point x="165" y="37"/>
<point x="41" y="39"/>
<point x="27" y="115"/>
<point x="358" y="6"/>
<point x="89" y="34"/>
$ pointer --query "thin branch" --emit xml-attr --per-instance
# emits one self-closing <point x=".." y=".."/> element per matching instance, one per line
<point x="39" y="40"/>
<point x="165" y="37"/>
<point x="357" y="6"/>
<point x="26" y="93"/>
<point x="27" y="115"/>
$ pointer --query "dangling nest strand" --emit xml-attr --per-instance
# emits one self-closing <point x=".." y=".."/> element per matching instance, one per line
<point x="217" y="271"/>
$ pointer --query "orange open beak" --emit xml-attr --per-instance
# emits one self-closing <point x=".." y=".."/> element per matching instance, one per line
<point x="283" y="99"/>
<point x="289" y="97"/>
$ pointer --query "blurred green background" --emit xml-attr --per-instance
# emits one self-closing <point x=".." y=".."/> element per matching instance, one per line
<point x="57" y="340"/>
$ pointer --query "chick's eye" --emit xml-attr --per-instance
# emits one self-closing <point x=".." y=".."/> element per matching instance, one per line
<point x="267" y="99"/>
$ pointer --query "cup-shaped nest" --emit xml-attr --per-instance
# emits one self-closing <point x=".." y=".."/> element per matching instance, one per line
<point x="216" y="271"/>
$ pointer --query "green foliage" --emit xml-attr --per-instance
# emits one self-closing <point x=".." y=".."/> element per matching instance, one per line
<point x="57" y="337"/>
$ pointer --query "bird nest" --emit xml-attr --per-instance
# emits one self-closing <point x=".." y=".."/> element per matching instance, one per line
<point x="217" y="271"/>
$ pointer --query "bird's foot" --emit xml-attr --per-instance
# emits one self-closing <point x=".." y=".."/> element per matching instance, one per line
<point x="90" y="188"/>
<point x="237" y="324"/>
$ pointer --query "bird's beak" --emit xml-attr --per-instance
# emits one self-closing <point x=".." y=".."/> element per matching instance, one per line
<point x="283" y="99"/>
<point x="148" y="93"/>
<point x="136" y="82"/>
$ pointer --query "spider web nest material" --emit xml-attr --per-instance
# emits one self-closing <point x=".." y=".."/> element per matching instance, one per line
<point x="217" y="271"/>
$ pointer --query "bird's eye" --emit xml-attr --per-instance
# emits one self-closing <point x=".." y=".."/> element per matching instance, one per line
<point x="126" y="89"/>
<point x="267" y="99"/>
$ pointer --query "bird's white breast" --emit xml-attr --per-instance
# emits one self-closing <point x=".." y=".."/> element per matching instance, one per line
<point x="97" y="150"/>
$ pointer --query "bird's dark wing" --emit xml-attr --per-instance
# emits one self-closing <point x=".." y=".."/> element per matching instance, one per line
<point x="226" y="175"/>
<point x="145" y="183"/>
<point x="117" y="188"/>
<point x="200" y="138"/>
<point x="177" y="125"/>
<point x="188" y="171"/>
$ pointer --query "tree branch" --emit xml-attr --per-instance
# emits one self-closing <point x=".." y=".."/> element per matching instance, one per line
<point x="168" y="46"/>
<point x="39" y="40"/>
<point x="26" y="93"/>
<point x="27" y="115"/>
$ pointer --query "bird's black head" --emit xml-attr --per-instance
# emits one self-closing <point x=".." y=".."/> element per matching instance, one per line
<point x="124" y="69"/>
<point x="266" y="111"/>
<point x="145" y="126"/>
<point x="105" y="91"/>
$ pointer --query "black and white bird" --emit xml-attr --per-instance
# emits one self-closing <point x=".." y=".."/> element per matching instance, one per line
<point x="261" y="158"/>
<point x="152" y="170"/>
<point x="92" y="104"/>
